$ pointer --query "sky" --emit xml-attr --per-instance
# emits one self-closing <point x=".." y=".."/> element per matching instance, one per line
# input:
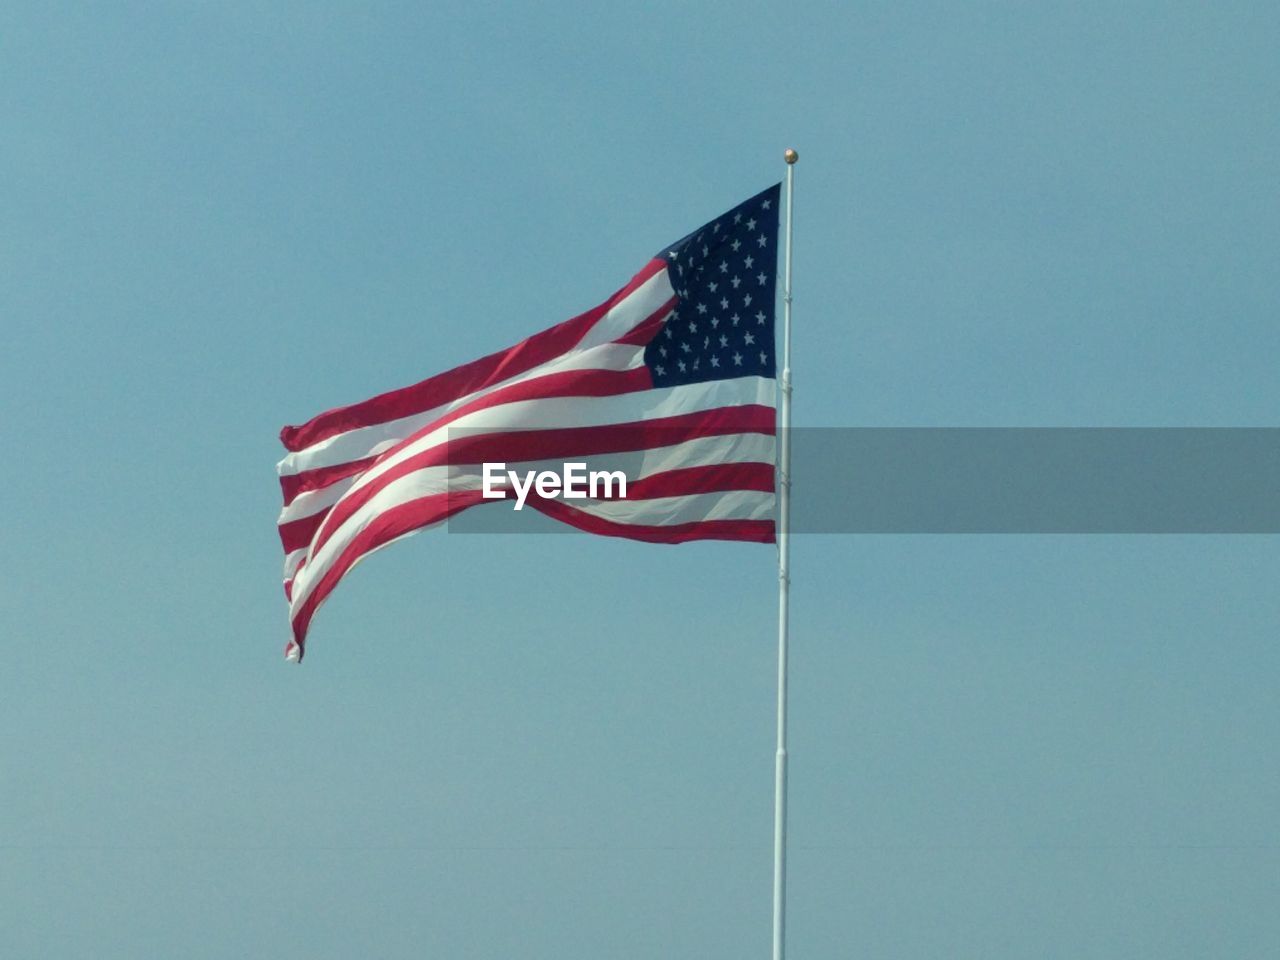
<point x="219" y="218"/>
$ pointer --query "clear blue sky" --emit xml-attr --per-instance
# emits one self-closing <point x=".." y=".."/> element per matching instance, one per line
<point x="219" y="218"/>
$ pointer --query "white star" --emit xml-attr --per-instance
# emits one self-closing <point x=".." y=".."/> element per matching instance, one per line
<point x="663" y="351"/>
<point x="724" y="303"/>
<point x="737" y="359"/>
<point x="668" y="333"/>
<point x="751" y="224"/>
<point x="764" y="357"/>
<point x="736" y="244"/>
<point x="735" y="281"/>
<point x="735" y="318"/>
<point x="662" y="371"/>
<point x="749" y="261"/>
<point x="746" y="301"/>
<point x="695" y="363"/>
<point x="702" y="308"/>
<point x="749" y="338"/>
<point x="760" y="318"/>
<point x="766" y="205"/>
<point x="682" y="366"/>
<point x="712" y="287"/>
<point x="693" y="326"/>
<point x="704" y="250"/>
<point x="706" y="342"/>
<point x="715" y="361"/>
<point x="762" y="240"/>
<point x="685" y="347"/>
<point x="715" y="322"/>
<point x="761" y="278"/>
<point x="699" y="238"/>
<point x="724" y="341"/>
<point x="673" y="255"/>
<point x="715" y="228"/>
<point x="724" y="267"/>
<point x="737" y="218"/>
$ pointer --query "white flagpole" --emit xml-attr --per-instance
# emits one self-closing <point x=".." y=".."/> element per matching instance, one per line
<point x="784" y="585"/>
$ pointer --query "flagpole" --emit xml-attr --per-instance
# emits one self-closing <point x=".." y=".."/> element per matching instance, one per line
<point x="784" y="586"/>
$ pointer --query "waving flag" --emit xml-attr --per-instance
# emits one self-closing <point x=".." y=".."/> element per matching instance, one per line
<point x="672" y="377"/>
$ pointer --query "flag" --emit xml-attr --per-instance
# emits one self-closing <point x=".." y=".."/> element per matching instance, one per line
<point x="673" y="376"/>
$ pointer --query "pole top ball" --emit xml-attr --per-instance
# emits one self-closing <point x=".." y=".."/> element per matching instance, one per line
<point x="791" y="156"/>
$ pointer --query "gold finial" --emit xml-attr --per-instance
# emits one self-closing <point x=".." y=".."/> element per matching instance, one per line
<point x="790" y="156"/>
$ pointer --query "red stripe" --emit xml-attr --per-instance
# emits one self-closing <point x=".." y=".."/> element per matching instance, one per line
<point x="384" y="528"/>
<point x="293" y="484"/>
<point x="296" y="534"/>
<point x="642" y="333"/>
<point x="548" y="444"/>
<point x="752" y="531"/>
<point x="468" y="378"/>
<point x="551" y="443"/>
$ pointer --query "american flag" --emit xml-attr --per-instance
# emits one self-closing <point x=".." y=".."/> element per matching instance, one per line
<point x="671" y="378"/>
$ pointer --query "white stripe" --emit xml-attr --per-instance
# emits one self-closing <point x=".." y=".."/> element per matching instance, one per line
<point x="315" y="501"/>
<point x="636" y="465"/>
<point x="292" y="561"/>
<point x="594" y="350"/>
<point x="630" y="312"/>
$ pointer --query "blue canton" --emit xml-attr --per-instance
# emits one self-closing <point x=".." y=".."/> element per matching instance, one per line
<point x="724" y="275"/>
